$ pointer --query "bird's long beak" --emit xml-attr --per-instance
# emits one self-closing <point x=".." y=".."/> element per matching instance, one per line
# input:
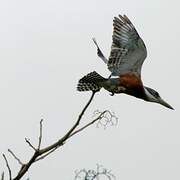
<point x="164" y="103"/>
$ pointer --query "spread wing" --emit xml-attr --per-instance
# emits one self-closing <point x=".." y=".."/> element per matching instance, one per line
<point x="128" y="50"/>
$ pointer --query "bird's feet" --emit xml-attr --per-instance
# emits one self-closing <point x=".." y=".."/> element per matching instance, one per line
<point x="110" y="76"/>
<point x="112" y="94"/>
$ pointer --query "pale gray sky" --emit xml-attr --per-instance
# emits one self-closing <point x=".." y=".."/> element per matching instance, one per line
<point x="46" y="46"/>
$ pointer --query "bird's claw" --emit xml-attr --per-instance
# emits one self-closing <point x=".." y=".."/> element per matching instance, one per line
<point x="112" y="94"/>
<point x="110" y="76"/>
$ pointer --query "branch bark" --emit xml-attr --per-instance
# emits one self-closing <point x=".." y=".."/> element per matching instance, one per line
<point x="8" y="167"/>
<point x="39" y="153"/>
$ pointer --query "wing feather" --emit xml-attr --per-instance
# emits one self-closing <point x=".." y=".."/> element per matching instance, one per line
<point x="128" y="50"/>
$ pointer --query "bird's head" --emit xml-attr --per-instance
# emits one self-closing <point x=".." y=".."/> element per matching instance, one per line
<point x="153" y="96"/>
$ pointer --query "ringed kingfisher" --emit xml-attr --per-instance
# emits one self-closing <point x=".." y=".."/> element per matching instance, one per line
<point x="127" y="55"/>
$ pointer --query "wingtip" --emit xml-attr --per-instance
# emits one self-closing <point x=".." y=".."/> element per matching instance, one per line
<point x="120" y="16"/>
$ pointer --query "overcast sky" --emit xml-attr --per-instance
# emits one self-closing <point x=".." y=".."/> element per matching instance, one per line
<point x="46" y="46"/>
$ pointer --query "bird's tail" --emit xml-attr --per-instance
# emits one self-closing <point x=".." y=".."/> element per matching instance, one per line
<point x="91" y="82"/>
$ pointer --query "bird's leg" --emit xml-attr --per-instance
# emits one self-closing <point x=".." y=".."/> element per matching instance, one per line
<point x="119" y="89"/>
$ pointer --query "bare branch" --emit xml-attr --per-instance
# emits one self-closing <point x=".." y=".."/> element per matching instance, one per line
<point x="29" y="143"/>
<point x="40" y="154"/>
<point x="104" y="118"/>
<point x="25" y="167"/>
<point x="15" y="157"/>
<point x="46" y="154"/>
<point x="8" y="167"/>
<point x="107" y="116"/>
<point x="2" y="176"/>
<point x="61" y="141"/>
<point x="40" y="134"/>
<point x="87" y="125"/>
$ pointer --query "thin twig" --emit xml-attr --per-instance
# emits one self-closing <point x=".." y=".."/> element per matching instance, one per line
<point x="2" y="176"/>
<point x="8" y="167"/>
<point x="88" y="124"/>
<point x="42" y="157"/>
<point x="26" y="166"/>
<point x="15" y="157"/>
<point x="29" y="143"/>
<point x="42" y="153"/>
<point x="40" y="134"/>
<point x="61" y="141"/>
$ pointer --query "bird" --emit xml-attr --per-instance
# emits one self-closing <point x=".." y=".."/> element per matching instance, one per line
<point x="127" y="55"/>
